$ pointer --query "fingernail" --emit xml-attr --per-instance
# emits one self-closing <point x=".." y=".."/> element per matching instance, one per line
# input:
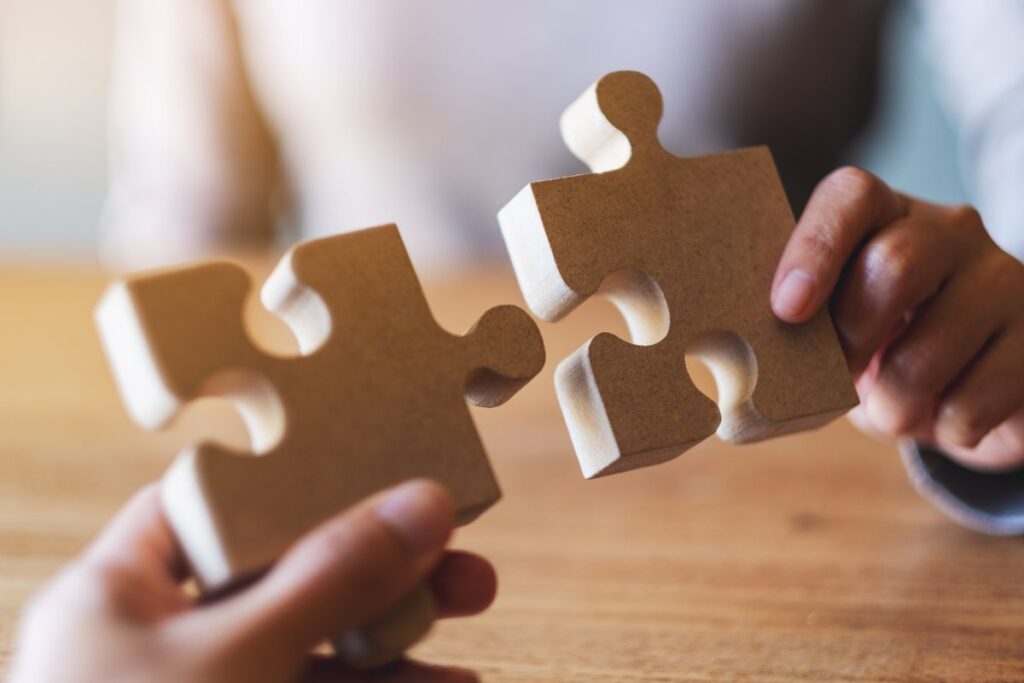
<point x="793" y="294"/>
<point x="419" y="513"/>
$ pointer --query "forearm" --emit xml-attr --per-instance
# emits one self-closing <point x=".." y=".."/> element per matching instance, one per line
<point x="192" y="166"/>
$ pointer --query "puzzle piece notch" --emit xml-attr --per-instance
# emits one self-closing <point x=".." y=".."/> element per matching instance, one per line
<point x="686" y="248"/>
<point x="381" y="398"/>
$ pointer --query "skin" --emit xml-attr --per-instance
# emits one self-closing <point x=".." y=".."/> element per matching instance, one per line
<point x="929" y="311"/>
<point x="119" y="613"/>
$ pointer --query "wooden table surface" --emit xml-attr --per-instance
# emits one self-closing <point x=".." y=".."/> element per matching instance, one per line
<point x="803" y="558"/>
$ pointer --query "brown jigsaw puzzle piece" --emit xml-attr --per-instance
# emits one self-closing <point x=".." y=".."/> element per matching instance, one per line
<point x="378" y="395"/>
<point x="686" y="248"/>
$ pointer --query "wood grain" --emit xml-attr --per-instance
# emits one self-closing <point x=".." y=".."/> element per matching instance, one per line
<point x="805" y="558"/>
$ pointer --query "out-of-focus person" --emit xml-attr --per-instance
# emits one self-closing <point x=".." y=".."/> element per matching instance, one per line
<point x="231" y="115"/>
<point x="232" y="120"/>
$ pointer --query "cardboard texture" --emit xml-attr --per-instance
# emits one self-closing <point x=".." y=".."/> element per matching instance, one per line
<point x="377" y="396"/>
<point x="686" y="248"/>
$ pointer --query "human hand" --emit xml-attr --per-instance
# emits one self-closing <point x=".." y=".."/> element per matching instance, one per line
<point x="119" y="613"/>
<point x="929" y="311"/>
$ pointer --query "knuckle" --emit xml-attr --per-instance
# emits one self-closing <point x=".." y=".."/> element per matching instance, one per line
<point x="894" y="413"/>
<point x="995" y="284"/>
<point x="890" y="261"/>
<point x="967" y="219"/>
<point x="966" y="228"/>
<point x="903" y="418"/>
<point x="856" y="183"/>
<point x="912" y="370"/>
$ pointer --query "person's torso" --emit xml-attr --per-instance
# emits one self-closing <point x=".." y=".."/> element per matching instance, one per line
<point x="433" y="115"/>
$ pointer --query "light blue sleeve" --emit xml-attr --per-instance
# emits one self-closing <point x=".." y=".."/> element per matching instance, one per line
<point x="990" y="502"/>
<point x="978" y="52"/>
<point x="977" y="49"/>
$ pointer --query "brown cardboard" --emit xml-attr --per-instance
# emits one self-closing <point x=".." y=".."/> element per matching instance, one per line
<point x="378" y="395"/>
<point x="686" y="248"/>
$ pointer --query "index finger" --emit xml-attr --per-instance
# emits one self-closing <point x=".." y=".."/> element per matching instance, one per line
<point x="847" y="206"/>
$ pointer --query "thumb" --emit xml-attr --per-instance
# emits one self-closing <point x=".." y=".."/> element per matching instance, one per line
<point x="350" y="570"/>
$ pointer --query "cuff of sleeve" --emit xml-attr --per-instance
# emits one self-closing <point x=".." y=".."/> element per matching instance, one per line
<point x="990" y="502"/>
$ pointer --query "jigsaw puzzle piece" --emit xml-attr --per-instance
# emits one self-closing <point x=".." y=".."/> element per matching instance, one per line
<point x="377" y="396"/>
<point x="630" y="406"/>
<point x="774" y="378"/>
<point x="686" y="249"/>
<point x="174" y="336"/>
<point x="502" y="352"/>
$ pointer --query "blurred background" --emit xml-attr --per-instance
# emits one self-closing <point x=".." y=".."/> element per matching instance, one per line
<point x="54" y="73"/>
<point x="55" y="66"/>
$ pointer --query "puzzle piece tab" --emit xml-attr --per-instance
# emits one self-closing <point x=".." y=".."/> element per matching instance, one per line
<point x="686" y="248"/>
<point x="378" y="395"/>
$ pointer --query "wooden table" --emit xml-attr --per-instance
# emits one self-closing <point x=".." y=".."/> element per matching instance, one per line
<point x="804" y="558"/>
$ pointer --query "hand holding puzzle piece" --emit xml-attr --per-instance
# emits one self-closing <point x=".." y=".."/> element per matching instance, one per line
<point x="686" y="249"/>
<point x="378" y="395"/>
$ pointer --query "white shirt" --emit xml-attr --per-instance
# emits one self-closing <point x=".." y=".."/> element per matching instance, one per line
<point x="433" y="115"/>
